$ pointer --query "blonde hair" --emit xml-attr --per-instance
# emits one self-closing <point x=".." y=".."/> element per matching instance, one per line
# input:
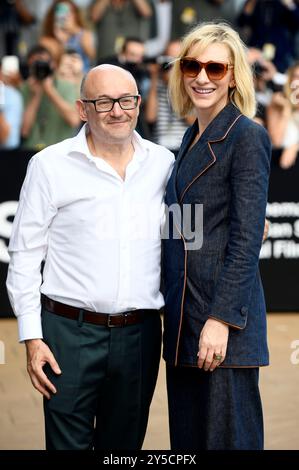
<point x="243" y="95"/>
<point x="288" y="89"/>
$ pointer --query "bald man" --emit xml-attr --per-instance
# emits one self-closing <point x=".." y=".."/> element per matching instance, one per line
<point x="90" y="209"/>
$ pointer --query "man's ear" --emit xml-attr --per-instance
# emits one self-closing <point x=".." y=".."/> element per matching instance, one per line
<point x="139" y="103"/>
<point x="81" y="110"/>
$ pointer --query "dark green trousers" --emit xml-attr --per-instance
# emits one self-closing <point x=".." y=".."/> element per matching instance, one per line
<point x="107" y="382"/>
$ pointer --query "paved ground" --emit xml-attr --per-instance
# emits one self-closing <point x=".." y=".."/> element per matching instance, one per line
<point x="21" y="425"/>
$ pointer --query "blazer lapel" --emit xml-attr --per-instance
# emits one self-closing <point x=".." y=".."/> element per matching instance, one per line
<point x="171" y="191"/>
<point x="201" y="157"/>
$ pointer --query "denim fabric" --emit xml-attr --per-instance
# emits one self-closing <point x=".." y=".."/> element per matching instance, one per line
<point x="227" y="171"/>
<point x="214" y="411"/>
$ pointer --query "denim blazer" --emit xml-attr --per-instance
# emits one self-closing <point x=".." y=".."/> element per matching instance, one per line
<point x="227" y="171"/>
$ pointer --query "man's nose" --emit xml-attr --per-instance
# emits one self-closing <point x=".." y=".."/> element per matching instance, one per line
<point x="116" y="110"/>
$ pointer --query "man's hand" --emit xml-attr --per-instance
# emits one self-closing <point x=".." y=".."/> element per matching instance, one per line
<point x="38" y="354"/>
<point x="48" y="85"/>
<point x="213" y="340"/>
<point x="35" y="87"/>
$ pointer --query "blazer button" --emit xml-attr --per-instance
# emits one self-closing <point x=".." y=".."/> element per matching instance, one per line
<point x="244" y="311"/>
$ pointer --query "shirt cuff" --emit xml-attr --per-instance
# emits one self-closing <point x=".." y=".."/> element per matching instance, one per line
<point x="30" y="327"/>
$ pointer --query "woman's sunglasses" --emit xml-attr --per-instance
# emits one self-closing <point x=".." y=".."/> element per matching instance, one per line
<point x="214" y="70"/>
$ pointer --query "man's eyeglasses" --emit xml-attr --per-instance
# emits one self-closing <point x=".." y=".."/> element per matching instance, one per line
<point x="104" y="105"/>
<point x="215" y="70"/>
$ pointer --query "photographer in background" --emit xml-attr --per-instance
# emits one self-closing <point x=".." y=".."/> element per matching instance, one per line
<point x="272" y="26"/>
<point x="50" y="113"/>
<point x="114" y="20"/>
<point x="283" y="119"/>
<point x="71" y="67"/>
<point x="188" y="13"/>
<point x="131" y="58"/>
<point x="168" y="129"/>
<point x="64" y="28"/>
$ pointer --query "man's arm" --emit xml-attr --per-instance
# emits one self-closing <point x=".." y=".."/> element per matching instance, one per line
<point x="98" y="10"/>
<point x="31" y="106"/>
<point x="143" y="7"/>
<point x="27" y="249"/>
<point x="65" y="109"/>
<point x="4" y="128"/>
<point x="25" y="15"/>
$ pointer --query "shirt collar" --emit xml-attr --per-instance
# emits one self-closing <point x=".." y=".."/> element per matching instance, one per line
<point x="79" y="145"/>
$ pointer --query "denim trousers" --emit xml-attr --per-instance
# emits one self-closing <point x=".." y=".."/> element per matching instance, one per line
<point x="219" y="410"/>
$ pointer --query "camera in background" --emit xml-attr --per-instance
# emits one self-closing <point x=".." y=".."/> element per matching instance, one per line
<point x="41" y="69"/>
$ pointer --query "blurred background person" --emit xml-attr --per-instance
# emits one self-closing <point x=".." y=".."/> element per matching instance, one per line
<point x="115" y="20"/>
<point x="70" y="67"/>
<point x="283" y="119"/>
<point x="11" y="104"/>
<point x="271" y="25"/>
<point x="131" y="58"/>
<point x="167" y="128"/>
<point x="9" y="28"/>
<point x="187" y="13"/>
<point x="64" y="26"/>
<point x="162" y="27"/>
<point x="50" y="114"/>
<point x="266" y="80"/>
<point x="31" y="14"/>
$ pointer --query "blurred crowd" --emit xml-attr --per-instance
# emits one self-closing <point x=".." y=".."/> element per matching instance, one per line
<point x="47" y="46"/>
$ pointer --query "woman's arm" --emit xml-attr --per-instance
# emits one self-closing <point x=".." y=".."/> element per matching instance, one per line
<point x="249" y="178"/>
<point x="151" y="106"/>
<point x="87" y="43"/>
<point x="278" y="115"/>
<point x="289" y="156"/>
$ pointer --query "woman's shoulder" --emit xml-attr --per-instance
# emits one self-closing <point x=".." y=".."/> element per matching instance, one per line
<point x="250" y="129"/>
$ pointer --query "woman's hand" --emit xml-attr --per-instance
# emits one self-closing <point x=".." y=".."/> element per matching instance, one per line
<point x="266" y="230"/>
<point x="61" y="35"/>
<point x="212" y="342"/>
<point x="282" y="102"/>
<point x="288" y="157"/>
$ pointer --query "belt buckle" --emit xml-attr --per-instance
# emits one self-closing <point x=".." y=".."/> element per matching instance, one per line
<point x="109" y="324"/>
<point x="125" y="316"/>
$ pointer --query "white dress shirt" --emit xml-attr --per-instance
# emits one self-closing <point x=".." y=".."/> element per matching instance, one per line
<point x="98" y="234"/>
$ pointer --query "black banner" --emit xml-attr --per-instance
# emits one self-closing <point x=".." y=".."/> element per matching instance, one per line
<point x="13" y="170"/>
<point x="279" y="256"/>
<point x="280" y="253"/>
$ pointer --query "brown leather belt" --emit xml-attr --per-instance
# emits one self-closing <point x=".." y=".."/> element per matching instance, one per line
<point x="110" y="320"/>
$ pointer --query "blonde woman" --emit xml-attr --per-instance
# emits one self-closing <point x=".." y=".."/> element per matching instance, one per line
<point x="215" y="316"/>
<point x="283" y="119"/>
